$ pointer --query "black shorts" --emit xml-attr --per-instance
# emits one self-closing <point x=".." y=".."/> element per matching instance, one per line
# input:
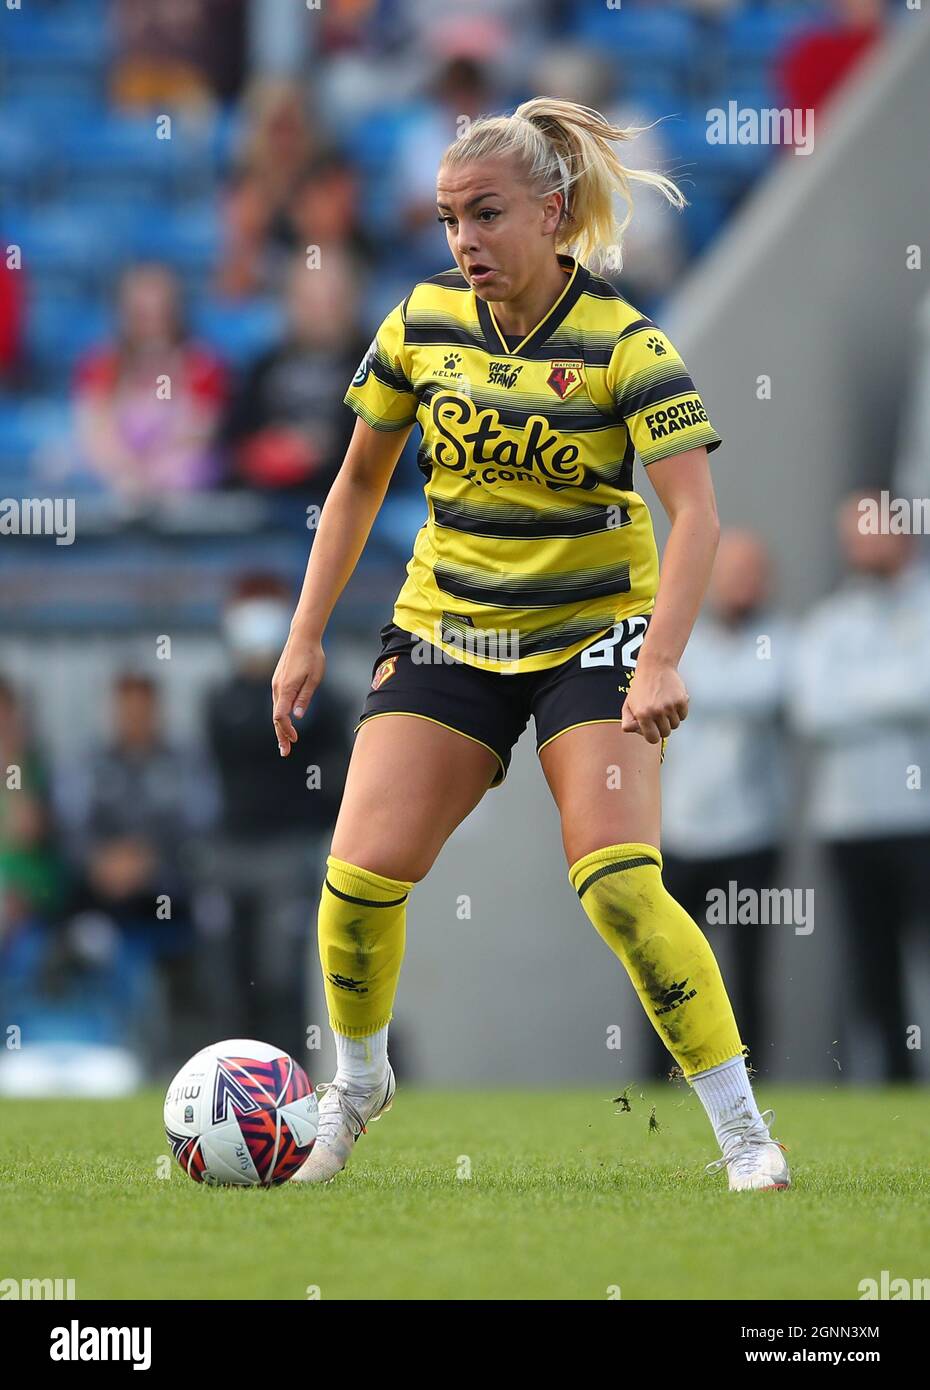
<point x="493" y="708"/>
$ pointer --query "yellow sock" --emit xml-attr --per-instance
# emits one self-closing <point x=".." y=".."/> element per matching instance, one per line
<point x="362" y="930"/>
<point x="665" y="953"/>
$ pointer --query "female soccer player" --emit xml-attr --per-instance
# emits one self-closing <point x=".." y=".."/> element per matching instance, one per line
<point x="533" y="588"/>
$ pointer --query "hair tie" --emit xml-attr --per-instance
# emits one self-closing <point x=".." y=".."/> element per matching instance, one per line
<point x="563" y="173"/>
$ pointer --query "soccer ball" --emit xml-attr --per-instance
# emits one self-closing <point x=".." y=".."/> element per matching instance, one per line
<point x="241" y="1112"/>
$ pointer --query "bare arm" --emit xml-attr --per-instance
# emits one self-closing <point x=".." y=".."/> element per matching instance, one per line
<point x="657" y="701"/>
<point x="345" y="524"/>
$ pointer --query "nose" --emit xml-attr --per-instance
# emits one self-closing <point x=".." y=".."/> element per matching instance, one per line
<point x="466" y="240"/>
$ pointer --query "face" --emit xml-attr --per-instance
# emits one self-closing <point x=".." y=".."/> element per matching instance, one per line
<point x="121" y="866"/>
<point x="247" y="210"/>
<point x="149" y="307"/>
<point x="740" y="579"/>
<point x="321" y="306"/>
<point x="325" y="209"/>
<point x="865" y="551"/>
<point x="499" y="232"/>
<point x="136" y="714"/>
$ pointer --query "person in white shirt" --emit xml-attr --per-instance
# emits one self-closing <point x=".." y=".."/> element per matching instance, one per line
<point x="861" y="696"/>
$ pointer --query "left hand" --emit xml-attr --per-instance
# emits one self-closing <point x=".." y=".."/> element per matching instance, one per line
<point x="656" y="702"/>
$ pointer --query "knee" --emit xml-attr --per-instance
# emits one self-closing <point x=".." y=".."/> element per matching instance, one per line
<point x="397" y="864"/>
<point x="620" y="888"/>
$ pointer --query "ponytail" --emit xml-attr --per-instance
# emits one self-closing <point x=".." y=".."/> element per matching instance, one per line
<point x="560" y="146"/>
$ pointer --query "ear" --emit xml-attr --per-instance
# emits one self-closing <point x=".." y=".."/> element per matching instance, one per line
<point x="552" y="210"/>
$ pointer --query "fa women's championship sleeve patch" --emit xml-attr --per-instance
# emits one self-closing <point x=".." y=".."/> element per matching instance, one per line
<point x="655" y="396"/>
<point x="381" y="391"/>
<point x="364" y="367"/>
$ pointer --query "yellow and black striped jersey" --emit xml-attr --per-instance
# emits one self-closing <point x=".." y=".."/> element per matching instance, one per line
<point x="536" y="541"/>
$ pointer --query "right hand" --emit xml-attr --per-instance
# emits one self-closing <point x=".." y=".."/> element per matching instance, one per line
<point x="298" y="673"/>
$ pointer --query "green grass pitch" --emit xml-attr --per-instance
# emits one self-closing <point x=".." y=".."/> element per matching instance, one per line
<point x="566" y="1199"/>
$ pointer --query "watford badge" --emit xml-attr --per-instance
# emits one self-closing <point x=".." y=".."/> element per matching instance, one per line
<point x="384" y="671"/>
<point x="565" y="378"/>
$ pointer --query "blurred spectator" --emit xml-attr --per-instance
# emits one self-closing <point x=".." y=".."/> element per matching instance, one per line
<point x="266" y="797"/>
<point x="147" y="407"/>
<point x="11" y="321"/>
<point x="138" y="784"/>
<point x="128" y="914"/>
<point x="653" y="245"/>
<point x="279" y="143"/>
<point x="33" y="876"/>
<point x="459" y="88"/>
<point x="131" y="814"/>
<point x="861" y="695"/>
<point x="724" y="795"/>
<point x="326" y="209"/>
<point x="287" y="426"/>
<point x="323" y="210"/>
<point x="88" y="1004"/>
<point x="124" y="884"/>
<point x="345" y="25"/>
<point x="816" y="63"/>
<point x="179" y="53"/>
<point x="249" y="262"/>
<point x="277" y="816"/>
<point x="510" y="29"/>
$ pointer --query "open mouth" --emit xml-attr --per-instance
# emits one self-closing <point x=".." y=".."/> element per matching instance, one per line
<point x="479" y="272"/>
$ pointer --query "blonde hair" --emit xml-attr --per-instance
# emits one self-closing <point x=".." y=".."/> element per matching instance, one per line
<point x="560" y="146"/>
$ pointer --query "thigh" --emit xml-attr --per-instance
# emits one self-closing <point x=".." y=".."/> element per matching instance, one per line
<point x="410" y="783"/>
<point x="605" y="782"/>
<point x="411" y="676"/>
<point x="606" y="786"/>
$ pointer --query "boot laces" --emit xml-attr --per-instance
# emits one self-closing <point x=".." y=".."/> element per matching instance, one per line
<point x="746" y="1136"/>
<point x="336" y="1110"/>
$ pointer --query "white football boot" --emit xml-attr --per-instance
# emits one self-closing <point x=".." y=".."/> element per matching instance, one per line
<point x="344" y="1117"/>
<point x="753" y="1159"/>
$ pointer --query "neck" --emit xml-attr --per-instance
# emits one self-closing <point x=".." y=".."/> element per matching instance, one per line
<point x="521" y="314"/>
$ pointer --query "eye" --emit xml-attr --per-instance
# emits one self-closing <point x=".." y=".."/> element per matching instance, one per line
<point x="491" y="213"/>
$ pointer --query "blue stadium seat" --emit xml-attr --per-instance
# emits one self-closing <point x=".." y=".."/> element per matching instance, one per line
<point x="59" y="331"/>
<point x="60" y="234"/>
<point x="372" y="141"/>
<point x="50" y="80"/>
<point x="187" y="238"/>
<point x="73" y="33"/>
<point x="702" y="220"/>
<point x="655" y="87"/>
<point x="20" y="156"/>
<point x="758" y="35"/>
<point x="238" y="332"/>
<point x="27" y="425"/>
<point x="662" y="38"/>
<point x="107" y="153"/>
<point x="720" y="169"/>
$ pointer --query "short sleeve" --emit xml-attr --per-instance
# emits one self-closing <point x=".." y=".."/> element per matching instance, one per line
<point x="381" y="392"/>
<point x="655" y="396"/>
